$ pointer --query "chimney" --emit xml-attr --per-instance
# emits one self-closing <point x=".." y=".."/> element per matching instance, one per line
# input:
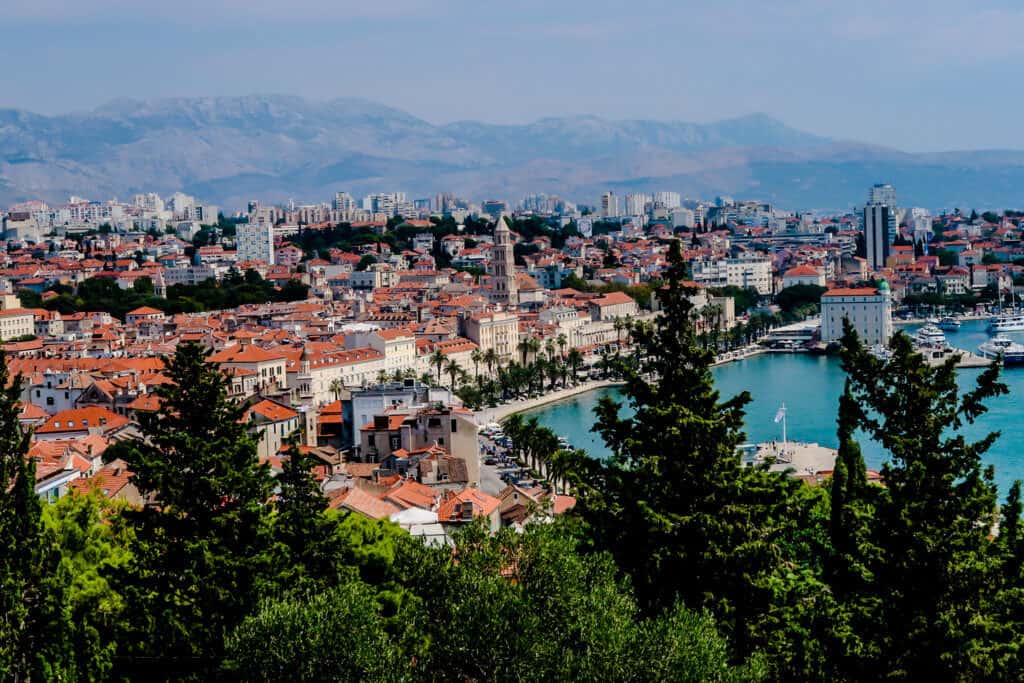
<point x="380" y="422"/>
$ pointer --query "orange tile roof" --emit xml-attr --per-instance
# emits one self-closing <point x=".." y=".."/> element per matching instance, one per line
<point x="79" y="419"/>
<point x="245" y="354"/>
<point x="483" y="505"/>
<point x="271" y="411"/>
<point x="360" y="501"/>
<point x="412" y="494"/>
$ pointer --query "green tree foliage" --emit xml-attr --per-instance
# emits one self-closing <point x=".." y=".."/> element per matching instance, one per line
<point x="500" y="607"/>
<point x="799" y="296"/>
<point x="235" y="289"/>
<point x="675" y="506"/>
<point x="336" y="635"/>
<point x="94" y="541"/>
<point x="35" y="621"/>
<point x="199" y="552"/>
<point x="305" y="538"/>
<point x="921" y="569"/>
<point x="745" y="298"/>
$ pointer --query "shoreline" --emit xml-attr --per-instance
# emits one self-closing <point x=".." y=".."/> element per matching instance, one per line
<point x="498" y="413"/>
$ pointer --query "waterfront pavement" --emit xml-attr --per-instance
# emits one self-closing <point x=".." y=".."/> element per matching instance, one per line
<point x="498" y="413"/>
<point x="805" y="459"/>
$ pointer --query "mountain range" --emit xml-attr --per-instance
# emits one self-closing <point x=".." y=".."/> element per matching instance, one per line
<point x="228" y="150"/>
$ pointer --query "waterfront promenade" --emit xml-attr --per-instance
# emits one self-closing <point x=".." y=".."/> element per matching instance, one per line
<point x="498" y="413"/>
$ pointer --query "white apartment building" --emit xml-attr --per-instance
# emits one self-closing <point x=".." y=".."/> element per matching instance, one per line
<point x="867" y="308"/>
<point x="636" y="204"/>
<point x="498" y="331"/>
<point x="667" y="200"/>
<point x="313" y="378"/>
<point x="255" y="242"/>
<point x="16" y="322"/>
<point x="739" y="272"/>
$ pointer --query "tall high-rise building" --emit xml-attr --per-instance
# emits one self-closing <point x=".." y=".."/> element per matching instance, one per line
<point x="255" y="242"/>
<point x="343" y="201"/>
<point x="878" y="219"/>
<point x="609" y="205"/>
<point x="883" y="193"/>
<point x="881" y="224"/>
<point x="667" y="200"/>
<point x="495" y="208"/>
<point x="503" y="267"/>
<point x="636" y="204"/>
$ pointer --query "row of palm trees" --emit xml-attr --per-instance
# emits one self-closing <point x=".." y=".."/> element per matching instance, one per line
<point x="538" y="449"/>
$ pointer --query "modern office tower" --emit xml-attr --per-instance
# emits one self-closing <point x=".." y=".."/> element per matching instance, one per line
<point x="879" y="233"/>
<point x="881" y="224"/>
<point x="883" y="193"/>
<point x="609" y="205"/>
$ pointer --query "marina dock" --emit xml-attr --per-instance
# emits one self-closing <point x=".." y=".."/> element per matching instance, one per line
<point x="805" y="460"/>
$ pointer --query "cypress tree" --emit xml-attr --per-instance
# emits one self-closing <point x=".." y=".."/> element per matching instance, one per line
<point x="201" y="543"/>
<point x="932" y="582"/>
<point x="675" y="506"/>
<point x="34" y="621"/>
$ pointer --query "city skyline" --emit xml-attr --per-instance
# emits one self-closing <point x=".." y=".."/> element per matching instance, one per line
<point x="808" y="65"/>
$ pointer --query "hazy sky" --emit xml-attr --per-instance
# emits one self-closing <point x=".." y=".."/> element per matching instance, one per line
<point x="917" y="75"/>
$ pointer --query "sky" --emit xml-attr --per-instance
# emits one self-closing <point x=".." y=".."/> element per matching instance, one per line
<point x="915" y="75"/>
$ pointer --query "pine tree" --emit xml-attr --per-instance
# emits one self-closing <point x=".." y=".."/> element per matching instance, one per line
<point x="304" y="544"/>
<point x="201" y="545"/>
<point x="34" y="621"/>
<point x="675" y="506"/>
<point x="934" y="577"/>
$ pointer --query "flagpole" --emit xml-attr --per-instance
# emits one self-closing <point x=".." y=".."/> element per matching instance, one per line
<point x="784" y="417"/>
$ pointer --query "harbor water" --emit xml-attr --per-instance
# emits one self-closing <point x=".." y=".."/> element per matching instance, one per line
<point x="810" y="387"/>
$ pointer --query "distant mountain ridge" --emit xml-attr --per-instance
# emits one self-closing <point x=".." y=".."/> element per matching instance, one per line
<point x="273" y="147"/>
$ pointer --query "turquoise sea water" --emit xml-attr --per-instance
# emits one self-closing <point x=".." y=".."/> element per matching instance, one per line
<point x="810" y="388"/>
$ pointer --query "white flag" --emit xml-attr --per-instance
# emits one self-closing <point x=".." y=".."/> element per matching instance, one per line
<point x="781" y="414"/>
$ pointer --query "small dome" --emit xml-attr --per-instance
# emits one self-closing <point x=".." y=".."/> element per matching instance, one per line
<point x="883" y="286"/>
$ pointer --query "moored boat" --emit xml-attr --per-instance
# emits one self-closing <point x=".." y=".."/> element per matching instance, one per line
<point x="930" y="336"/>
<point x="1000" y="345"/>
<point x="1012" y="321"/>
<point x="949" y="324"/>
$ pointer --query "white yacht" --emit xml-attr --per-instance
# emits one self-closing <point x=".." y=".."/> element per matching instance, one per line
<point x="949" y="323"/>
<point x="1011" y="321"/>
<point x="1011" y="351"/>
<point x="880" y="352"/>
<point x="930" y="336"/>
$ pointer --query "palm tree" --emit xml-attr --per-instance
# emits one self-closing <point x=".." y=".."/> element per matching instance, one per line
<point x="437" y="359"/>
<point x="533" y="346"/>
<point x="491" y="359"/>
<point x="336" y="387"/>
<point x="524" y="347"/>
<point x="476" y="357"/>
<point x="562" y="342"/>
<point x="554" y="372"/>
<point x="617" y="324"/>
<point x="549" y="348"/>
<point x="452" y="369"/>
<point x="575" y="360"/>
<point x="382" y="377"/>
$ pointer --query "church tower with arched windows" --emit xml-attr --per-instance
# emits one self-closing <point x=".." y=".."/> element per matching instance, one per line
<point x="503" y="267"/>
